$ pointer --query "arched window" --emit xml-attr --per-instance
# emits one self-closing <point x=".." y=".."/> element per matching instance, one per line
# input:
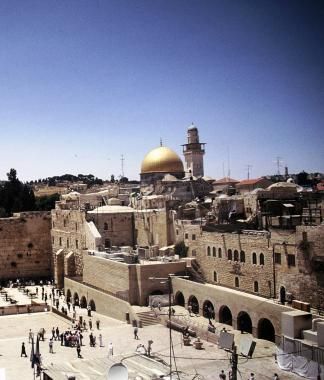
<point x="215" y="276"/>
<point x="254" y="258"/>
<point x="220" y="253"/>
<point x="261" y="259"/>
<point x="208" y="251"/>
<point x="256" y="286"/>
<point x="236" y="255"/>
<point x="105" y="226"/>
<point x="242" y="257"/>
<point x="214" y="252"/>
<point x="229" y="254"/>
<point x="237" y="282"/>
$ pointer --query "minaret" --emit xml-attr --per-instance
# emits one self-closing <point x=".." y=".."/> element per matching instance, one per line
<point x="194" y="152"/>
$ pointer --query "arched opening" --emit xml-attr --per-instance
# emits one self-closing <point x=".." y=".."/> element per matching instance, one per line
<point x="256" y="286"/>
<point x="215" y="276"/>
<point x="266" y="330"/>
<point x="225" y="315"/>
<point x="76" y="299"/>
<point x="83" y="302"/>
<point x="220" y="253"/>
<point x="242" y="257"/>
<point x="208" y="310"/>
<point x="92" y="305"/>
<point x="237" y="282"/>
<point x="214" y="252"/>
<point x="282" y="295"/>
<point x="261" y="259"/>
<point x="107" y="243"/>
<point x="208" y="251"/>
<point x="244" y="322"/>
<point x="229" y="254"/>
<point x="236" y="255"/>
<point x="179" y="299"/>
<point x="194" y="304"/>
<point x="254" y="258"/>
<point x="68" y="295"/>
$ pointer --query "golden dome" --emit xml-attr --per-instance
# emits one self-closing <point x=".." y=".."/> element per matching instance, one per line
<point x="162" y="160"/>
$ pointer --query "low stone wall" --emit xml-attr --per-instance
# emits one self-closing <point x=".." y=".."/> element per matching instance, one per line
<point x="23" y="309"/>
<point x="104" y="303"/>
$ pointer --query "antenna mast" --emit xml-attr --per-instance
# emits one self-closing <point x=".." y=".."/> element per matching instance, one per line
<point x="248" y="167"/>
<point x="122" y="159"/>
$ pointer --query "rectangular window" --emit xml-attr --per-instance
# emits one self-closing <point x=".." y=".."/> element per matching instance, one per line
<point x="193" y="252"/>
<point x="76" y="244"/>
<point x="277" y="258"/>
<point x="60" y="241"/>
<point x="186" y="236"/>
<point x="177" y="232"/>
<point x="67" y="243"/>
<point x="291" y="260"/>
<point x="193" y="237"/>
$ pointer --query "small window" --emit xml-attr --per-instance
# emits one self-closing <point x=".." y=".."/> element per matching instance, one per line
<point x="214" y="252"/>
<point x="193" y="237"/>
<point x="242" y="257"/>
<point x="193" y="252"/>
<point x="177" y="232"/>
<point x="215" y="276"/>
<point x="256" y="286"/>
<point x="76" y="243"/>
<point x="237" y="282"/>
<point x="261" y="259"/>
<point x="236" y="255"/>
<point x="76" y="226"/>
<point x="277" y="257"/>
<point x="186" y="236"/>
<point x="220" y="253"/>
<point x="60" y="241"/>
<point x="208" y="251"/>
<point x="254" y="258"/>
<point x="229" y="254"/>
<point x="105" y="226"/>
<point x="291" y="260"/>
<point x="67" y="243"/>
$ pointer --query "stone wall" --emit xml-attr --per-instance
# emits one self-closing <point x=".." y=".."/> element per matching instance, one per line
<point x="25" y="246"/>
<point x="152" y="227"/>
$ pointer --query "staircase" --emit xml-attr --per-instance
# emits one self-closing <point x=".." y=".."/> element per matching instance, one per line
<point x="147" y="318"/>
<point x="196" y="273"/>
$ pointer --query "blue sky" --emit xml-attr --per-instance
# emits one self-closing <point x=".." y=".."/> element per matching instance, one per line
<point x="82" y="82"/>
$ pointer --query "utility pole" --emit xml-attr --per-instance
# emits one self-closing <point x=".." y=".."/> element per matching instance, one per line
<point x="234" y="363"/>
<point x="248" y="167"/>
<point x="168" y="281"/>
<point x="122" y="159"/>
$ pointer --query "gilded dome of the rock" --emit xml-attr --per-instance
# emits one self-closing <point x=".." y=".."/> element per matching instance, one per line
<point x="162" y="160"/>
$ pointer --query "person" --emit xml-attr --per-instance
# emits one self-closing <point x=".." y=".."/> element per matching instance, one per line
<point x="159" y="306"/>
<point x="89" y="311"/>
<point x="275" y="376"/>
<point x="136" y="332"/>
<point x="98" y="323"/>
<point x="172" y="311"/>
<point x="222" y="375"/>
<point x="53" y="333"/>
<point x="189" y="309"/>
<point x="50" y="344"/>
<point x="57" y="333"/>
<point x="23" y="350"/>
<point x="30" y="336"/>
<point x="110" y="350"/>
<point x="90" y="324"/>
<point x="79" y="350"/>
<point x="252" y="376"/>
<point x="100" y="341"/>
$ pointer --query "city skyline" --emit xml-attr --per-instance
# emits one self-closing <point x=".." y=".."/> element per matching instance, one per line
<point x="83" y="83"/>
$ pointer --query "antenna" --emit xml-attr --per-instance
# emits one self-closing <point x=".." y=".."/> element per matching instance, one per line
<point x="248" y="167"/>
<point x="223" y="169"/>
<point x="228" y="163"/>
<point x="279" y="164"/>
<point x="122" y="159"/>
<point x="161" y="142"/>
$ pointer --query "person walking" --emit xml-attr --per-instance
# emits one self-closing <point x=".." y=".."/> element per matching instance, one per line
<point x="110" y="350"/>
<point x="98" y="324"/>
<point x="79" y="350"/>
<point x="100" y="340"/>
<point x="222" y="375"/>
<point x="30" y="336"/>
<point x="50" y="344"/>
<point x="136" y="332"/>
<point x="23" y="350"/>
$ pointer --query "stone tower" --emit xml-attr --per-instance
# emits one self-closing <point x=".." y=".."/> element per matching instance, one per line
<point x="194" y="152"/>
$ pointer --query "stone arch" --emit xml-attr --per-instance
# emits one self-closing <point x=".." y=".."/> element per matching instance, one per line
<point x="83" y="302"/>
<point x="225" y="315"/>
<point x="76" y="299"/>
<point x="92" y="305"/>
<point x="244" y="322"/>
<point x="68" y="295"/>
<point x="208" y="310"/>
<point x="179" y="299"/>
<point x="193" y="301"/>
<point x="266" y="330"/>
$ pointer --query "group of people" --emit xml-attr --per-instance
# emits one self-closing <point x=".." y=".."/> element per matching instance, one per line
<point x="222" y="376"/>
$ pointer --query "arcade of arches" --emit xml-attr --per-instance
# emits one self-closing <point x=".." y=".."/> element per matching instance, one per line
<point x="262" y="328"/>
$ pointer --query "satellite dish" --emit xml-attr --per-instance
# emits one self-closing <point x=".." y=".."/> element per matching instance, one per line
<point x="118" y="372"/>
